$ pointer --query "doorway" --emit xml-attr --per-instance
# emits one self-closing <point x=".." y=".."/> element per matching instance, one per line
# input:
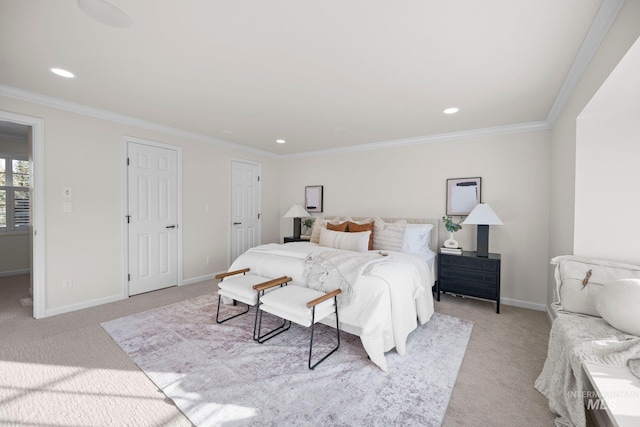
<point x="33" y="197"/>
<point x="152" y="216"/>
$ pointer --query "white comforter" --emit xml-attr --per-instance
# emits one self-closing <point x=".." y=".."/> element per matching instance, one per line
<point x="389" y="300"/>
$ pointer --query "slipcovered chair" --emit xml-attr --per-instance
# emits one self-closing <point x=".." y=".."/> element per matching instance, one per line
<point x="303" y="306"/>
<point x="247" y="289"/>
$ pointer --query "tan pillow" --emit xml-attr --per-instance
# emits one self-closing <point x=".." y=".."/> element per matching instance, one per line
<point x="355" y="227"/>
<point x="338" y="227"/>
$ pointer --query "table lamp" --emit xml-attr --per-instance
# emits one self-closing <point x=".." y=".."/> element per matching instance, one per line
<point x="296" y="212"/>
<point x="483" y="216"/>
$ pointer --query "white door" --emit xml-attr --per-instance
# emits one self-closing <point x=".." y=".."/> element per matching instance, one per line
<point x="245" y="206"/>
<point x="153" y="217"/>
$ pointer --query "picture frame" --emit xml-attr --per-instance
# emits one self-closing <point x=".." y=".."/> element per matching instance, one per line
<point x="313" y="198"/>
<point x="463" y="194"/>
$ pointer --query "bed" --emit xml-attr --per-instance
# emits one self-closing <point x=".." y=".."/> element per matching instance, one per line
<point x="387" y="293"/>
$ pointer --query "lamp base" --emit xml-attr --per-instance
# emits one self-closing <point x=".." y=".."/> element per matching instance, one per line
<point x="297" y="227"/>
<point x="482" y="245"/>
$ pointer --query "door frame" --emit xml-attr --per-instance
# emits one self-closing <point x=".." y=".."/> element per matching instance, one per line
<point x="230" y="204"/>
<point x="37" y="208"/>
<point x="125" y="205"/>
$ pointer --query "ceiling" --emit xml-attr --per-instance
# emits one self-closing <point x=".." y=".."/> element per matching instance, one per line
<point x="323" y="75"/>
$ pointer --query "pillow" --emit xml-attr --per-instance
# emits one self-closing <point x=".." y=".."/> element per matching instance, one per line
<point x="359" y="221"/>
<point x="356" y="227"/>
<point x="319" y="224"/>
<point x="358" y="242"/>
<point x="570" y="273"/>
<point x="618" y="304"/>
<point x="388" y="236"/>
<point x="338" y="227"/>
<point x="416" y="238"/>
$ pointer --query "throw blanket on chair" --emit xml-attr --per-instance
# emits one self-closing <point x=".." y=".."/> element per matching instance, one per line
<point x="575" y="339"/>
<point x="327" y="271"/>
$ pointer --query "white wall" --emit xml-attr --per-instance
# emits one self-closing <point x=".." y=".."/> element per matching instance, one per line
<point x="14" y="254"/>
<point x="410" y="181"/>
<point x="622" y="34"/>
<point x="86" y="245"/>
<point x="607" y="153"/>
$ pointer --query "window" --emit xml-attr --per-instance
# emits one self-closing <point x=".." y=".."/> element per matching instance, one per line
<point x="15" y="202"/>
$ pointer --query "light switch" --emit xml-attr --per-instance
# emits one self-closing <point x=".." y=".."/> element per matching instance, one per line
<point x="66" y="191"/>
<point x="67" y="207"/>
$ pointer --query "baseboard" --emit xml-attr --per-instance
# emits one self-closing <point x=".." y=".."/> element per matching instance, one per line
<point x="550" y="314"/>
<point x="15" y="272"/>
<point x="523" y="304"/>
<point x="198" y="279"/>
<point x="80" y="306"/>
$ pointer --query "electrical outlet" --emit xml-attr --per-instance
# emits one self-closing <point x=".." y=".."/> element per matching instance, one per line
<point x="66" y="191"/>
<point x="67" y="207"/>
<point x="209" y="259"/>
<point x="67" y="284"/>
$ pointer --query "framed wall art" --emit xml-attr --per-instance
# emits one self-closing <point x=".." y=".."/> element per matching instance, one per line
<point x="463" y="194"/>
<point x="313" y="198"/>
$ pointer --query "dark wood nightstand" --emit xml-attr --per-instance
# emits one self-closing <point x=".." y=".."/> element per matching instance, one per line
<point x="290" y="239"/>
<point x="469" y="274"/>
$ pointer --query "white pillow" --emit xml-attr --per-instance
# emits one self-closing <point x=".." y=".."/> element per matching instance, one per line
<point x="388" y="236"/>
<point x="416" y="238"/>
<point x="618" y="304"/>
<point x="319" y="224"/>
<point x="358" y="242"/>
<point x="571" y="272"/>
<point x="360" y="221"/>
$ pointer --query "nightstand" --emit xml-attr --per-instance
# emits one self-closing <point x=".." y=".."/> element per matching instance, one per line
<point x="290" y="239"/>
<point x="471" y="275"/>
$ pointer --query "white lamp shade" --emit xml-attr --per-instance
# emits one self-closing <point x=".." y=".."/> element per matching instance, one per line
<point x="297" y="211"/>
<point x="482" y="214"/>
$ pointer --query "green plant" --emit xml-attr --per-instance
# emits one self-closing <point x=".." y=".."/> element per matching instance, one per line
<point x="450" y="225"/>
<point x="308" y="222"/>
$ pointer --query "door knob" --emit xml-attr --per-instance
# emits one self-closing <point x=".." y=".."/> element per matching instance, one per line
<point x="237" y="223"/>
<point x="171" y="226"/>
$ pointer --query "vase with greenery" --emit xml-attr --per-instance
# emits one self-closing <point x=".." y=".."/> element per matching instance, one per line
<point x="307" y="223"/>
<point x="451" y="227"/>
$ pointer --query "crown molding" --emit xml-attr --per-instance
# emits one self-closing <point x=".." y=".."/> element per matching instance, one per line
<point x="61" y="104"/>
<point x="474" y="133"/>
<point x="603" y="20"/>
<point x="49" y="101"/>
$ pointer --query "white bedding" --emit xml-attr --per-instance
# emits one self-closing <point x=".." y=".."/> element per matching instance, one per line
<point x="390" y="297"/>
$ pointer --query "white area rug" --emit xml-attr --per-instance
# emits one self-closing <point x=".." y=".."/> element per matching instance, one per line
<point x="217" y="375"/>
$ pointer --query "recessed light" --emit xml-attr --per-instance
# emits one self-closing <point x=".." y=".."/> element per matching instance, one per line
<point x="63" y="73"/>
<point x="280" y="141"/>
<point x="451" y="110"/>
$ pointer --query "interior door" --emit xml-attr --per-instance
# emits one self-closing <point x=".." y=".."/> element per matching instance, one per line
<point x="153" y="217"/>
<point x="245" y="206"/>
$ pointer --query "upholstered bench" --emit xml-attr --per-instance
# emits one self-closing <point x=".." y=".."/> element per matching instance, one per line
<point x="245" y="288"/>
<point x="303" y="306"/>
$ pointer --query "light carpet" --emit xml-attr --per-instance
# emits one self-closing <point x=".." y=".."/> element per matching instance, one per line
<point x="217" y="375"/>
